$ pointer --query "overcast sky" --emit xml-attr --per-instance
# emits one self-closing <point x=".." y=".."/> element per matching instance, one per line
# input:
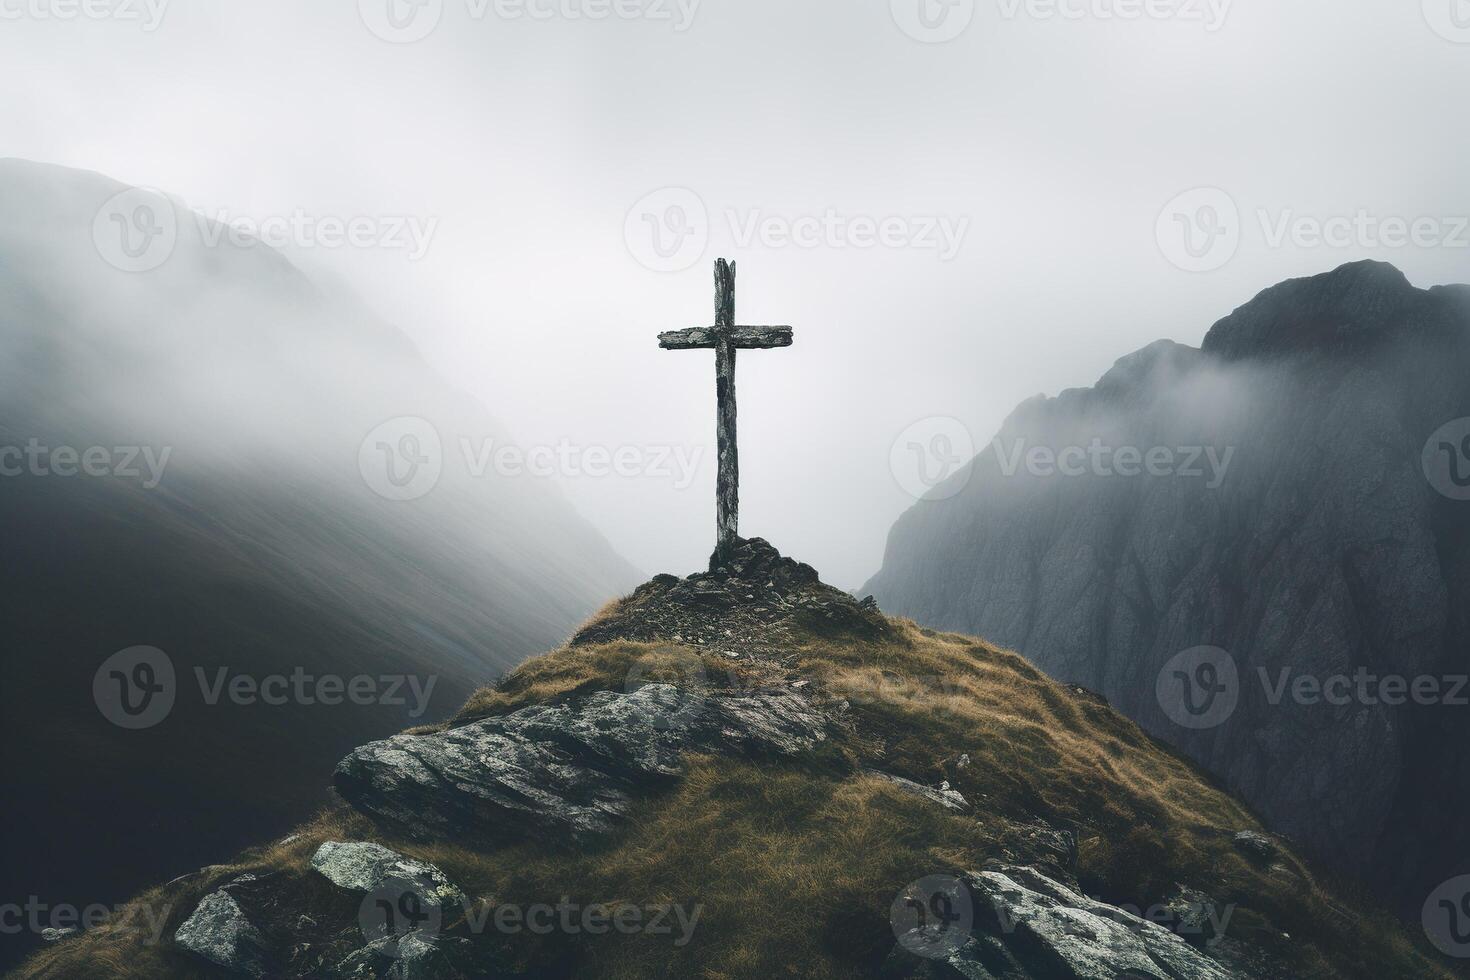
<point x="957" y="206"/>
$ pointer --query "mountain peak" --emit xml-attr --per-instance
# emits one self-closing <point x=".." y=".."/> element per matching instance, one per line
<point x="747" y="606"/>
<point x="1357" y="304"/>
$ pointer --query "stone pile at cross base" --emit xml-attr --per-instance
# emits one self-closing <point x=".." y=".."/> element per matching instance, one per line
<point x="748" y="605"/>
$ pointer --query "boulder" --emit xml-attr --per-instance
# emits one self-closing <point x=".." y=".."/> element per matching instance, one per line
<point x="1053" y="932"/>
<point x="563" y="769"/>
<point x="220" y="932"/>
<point x="366" y="867"/>
<point x="1256" y="846"/>
<point x="415" y="956"/>
<point x="950" y="799"/>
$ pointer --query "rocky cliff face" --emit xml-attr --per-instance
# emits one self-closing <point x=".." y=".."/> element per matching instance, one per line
<point x="1258" y="550"/>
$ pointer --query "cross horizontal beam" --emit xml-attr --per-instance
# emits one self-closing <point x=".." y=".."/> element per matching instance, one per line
<point x="739" y="338"/>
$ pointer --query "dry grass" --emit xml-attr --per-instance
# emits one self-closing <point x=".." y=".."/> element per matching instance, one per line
<point x="794" y="866"/>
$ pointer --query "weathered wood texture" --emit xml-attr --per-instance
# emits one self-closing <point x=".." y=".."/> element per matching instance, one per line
<point x="727" y="486"/>
<point x="741" y="338"/>
<point x="725" y="338"/>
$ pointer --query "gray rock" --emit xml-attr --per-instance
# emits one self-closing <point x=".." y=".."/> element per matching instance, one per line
<point x="982" y="958"/>
<point x="1194" y="916"/>
<point x="219" y="931"/>
<point x="365" y="867"/>
<point x="554" y="770"/>
<point x="950" y="799"/>
<point x="1053" y="932"/>
<point x="57" y="935"/>
<point x="1259" y="847"/>
<point x="414" y="956"/>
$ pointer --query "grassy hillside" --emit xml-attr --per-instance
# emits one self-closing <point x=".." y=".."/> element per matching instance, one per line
<point x="795" y="865"/>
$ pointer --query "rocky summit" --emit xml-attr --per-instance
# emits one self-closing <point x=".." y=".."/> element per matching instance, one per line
<point x="750" y="604"/>
<point x="748" y="773"/>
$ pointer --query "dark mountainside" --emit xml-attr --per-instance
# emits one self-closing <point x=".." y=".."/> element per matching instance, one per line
<point x="756" y="775"/>
<point x="1322" y="551"/>
<point x="262" y="549"/>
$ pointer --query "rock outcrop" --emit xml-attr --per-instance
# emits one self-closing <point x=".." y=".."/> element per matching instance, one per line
<point x="751" y="604"/>
<point x="1245" y="592"/>
<point x="221" y="932"/>
<point x="564" y="769"/>
<point x="383" y="918"/>
<point x="1014" y="923"/>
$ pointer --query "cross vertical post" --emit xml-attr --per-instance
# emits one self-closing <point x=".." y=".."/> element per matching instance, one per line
<point x="725" y="339"/>
<point x="727" y="483"/>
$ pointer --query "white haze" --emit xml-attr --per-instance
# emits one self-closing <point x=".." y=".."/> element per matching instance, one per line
<point x="528" y="141"/>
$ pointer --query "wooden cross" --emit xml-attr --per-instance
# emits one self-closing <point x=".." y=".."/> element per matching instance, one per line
<point x="726" y="338"/>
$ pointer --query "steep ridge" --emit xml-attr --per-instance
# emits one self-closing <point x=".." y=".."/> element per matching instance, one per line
<point x="1256" y="594"/>
<point x="746" y="773"/>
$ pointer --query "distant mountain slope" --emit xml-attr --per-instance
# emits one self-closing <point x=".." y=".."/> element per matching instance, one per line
<point x="1312" y="544"/>
<point x="263" y="548"/>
